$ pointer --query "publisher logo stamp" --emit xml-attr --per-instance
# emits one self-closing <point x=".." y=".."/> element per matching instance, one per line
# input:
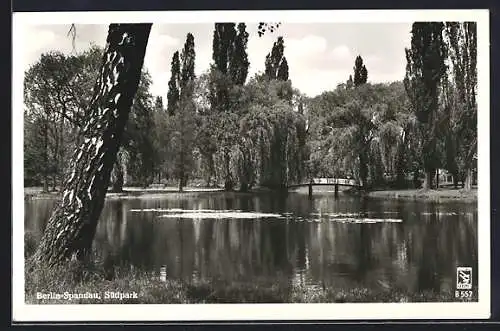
<point x="464" y="278"/>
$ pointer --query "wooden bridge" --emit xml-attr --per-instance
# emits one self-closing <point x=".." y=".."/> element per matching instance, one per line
<point x="327" y="181"/>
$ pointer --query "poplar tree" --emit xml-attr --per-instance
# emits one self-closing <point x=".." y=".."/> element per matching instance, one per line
<point x="173" y="94"/>
<point x="283" y="70"/>
<point x="238" y="63"/>
<point x="188" y="59"/>
<point x="424" y="71"/>
<point x="462" y="134"/>
<point x="184" y="119"/>
<point x="230" y="68"/>
<point x="276" y="64"/>
<point x="360" y="72"/>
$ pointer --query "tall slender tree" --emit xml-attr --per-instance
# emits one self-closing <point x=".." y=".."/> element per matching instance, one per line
<point x="276" y="64"/>
<point x="223" y="45"/>
<point x="360" y="72"/>
<point x="424" y="71"/>
<point x="173" y="94"/>
<point x="462" y="45"/>
<point x="184" y="120"/>
<point x="159" y="104"/>
<point x="230" y="68"/>
<point x="238" y="63"/>
<point x="188" y="60"/>
<point x="283" y="70"/>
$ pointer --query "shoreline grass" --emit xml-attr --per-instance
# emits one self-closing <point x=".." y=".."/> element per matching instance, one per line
<point x="79" y="278"/>
<point x="439" y="195"/>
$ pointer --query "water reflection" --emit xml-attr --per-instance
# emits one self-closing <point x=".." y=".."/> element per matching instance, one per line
<point x="418" y="254"/>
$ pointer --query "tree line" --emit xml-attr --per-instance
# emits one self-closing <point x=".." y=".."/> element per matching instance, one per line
<point x="224" y="129"/>
<point x="399" y="134"/>
<point x="220" y="128"/>
<point x="234" y="132"/>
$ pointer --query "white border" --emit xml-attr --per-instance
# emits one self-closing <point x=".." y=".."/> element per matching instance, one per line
<point x="213" y="312"/>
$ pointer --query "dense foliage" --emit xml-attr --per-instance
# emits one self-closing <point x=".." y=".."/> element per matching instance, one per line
<point x="226" y="129"/>
<point x="57" y="91"/>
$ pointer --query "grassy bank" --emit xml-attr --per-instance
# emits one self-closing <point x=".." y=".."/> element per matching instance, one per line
<point x="77" y="278"/>
<point x="442" y="194"/>
<point x="128" y="192"/>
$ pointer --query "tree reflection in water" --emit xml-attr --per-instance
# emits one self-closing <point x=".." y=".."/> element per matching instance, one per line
<point x="305" y="246"/>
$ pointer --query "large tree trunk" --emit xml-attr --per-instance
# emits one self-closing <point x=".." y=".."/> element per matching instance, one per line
<point x="363" y="169"/>
<point x="468" y="180"/>
<point x="117" y="175"/>
<point x="228" y="182"/>
<point x="428" y="183"/>
<point x="45" y="157"/>
<point x="455" y="179"/>
<point x="71" y="228"/>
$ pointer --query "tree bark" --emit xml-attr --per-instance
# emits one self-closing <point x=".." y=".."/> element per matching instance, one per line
<point x="455" y="179"/>
<point x="468" y="180"/>
<point x="45" y="157"/>
<point x="117" y="177"/>
<point x="363" y="169"/>
<point x="228" y="182"/>
<point x="428" y="183"/>
<point x="71" y="228"/>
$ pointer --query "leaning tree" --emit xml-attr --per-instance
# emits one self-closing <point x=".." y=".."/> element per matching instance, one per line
<point x="71" y="228"/>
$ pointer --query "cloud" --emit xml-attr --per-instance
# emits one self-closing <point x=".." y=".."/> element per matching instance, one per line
<point x="168" y="41"/>
<point x="304" y="47"/>
<point x="161" y="47"/>
<point x="320" y="56"/>
<point x="314" y="82"/>
<point x="258" y="48"/>
<point x="341" y="53"/>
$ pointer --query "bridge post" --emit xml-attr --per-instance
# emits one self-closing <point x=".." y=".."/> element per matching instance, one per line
<point x="310" y="189"/>
<point x="336" y="190"/>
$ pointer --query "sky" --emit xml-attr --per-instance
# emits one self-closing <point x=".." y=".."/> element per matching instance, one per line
<point x="320" y="55"/>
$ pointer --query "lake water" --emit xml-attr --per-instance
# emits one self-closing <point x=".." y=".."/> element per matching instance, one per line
<point x="327" y="241"/>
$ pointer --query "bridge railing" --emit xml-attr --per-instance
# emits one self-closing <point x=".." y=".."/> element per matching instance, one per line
<point x="333" y="181"/>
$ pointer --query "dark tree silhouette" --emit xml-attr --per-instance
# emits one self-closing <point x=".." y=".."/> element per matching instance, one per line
<point x="173" y="94"/>
<point x="360" y="72"/>
<point x="283" y="70"/>
<point x="424" y="71"/>
<point x="275" y="58"/>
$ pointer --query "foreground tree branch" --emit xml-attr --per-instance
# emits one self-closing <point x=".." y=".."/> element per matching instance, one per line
<point x="71" y="228"/>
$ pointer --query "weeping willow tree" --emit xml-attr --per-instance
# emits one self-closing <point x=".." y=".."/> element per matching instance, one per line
<point x="255" y="138"/>
<point x="396" y="127"/>
<point x="355" y="125"/>
<point x="365" y="132"/>
<point x="270" y="150"/>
